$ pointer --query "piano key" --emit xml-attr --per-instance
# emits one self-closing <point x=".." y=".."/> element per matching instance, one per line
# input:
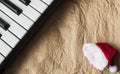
<point x="21" y="19"/>
<point x="4" y="24"/>
<point x="4" y="48"/>
<point x="0" y="35"/>
<point x="27" y="10"/>
<point x="38" y="5"/>
<point x="14" y="27"/>
<point x="11" y="6"/>
<point x="48" y="1"/>
<point x="26" y="2"/>
<point x="9" y="38"/>
<point x="1" y="59"/>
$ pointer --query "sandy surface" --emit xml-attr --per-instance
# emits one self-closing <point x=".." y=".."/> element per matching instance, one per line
<point x="57" y="47"/>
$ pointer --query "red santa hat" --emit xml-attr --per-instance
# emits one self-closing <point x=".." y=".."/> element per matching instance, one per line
<point x="100" y="55"/>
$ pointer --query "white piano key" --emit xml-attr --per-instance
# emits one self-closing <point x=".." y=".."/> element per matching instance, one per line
<point x="21" y="19"/>
<point x="14" y="27"/>
<point x="38" y="5"/>
<point x="27" y="10"/>
<point x="48" y="1"/>
<point x="4" y="48"/>
<point x="8" y="37"/>
<point x="1" y="59"/>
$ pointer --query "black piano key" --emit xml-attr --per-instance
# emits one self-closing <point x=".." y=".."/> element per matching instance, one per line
<point x="26" y="2"/>
<point x="4" y="24"/>
<point x="0" y="35"/>
<point x="11" y="6"/>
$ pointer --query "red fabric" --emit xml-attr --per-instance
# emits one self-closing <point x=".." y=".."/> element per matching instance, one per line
<point x="108" y="51"/>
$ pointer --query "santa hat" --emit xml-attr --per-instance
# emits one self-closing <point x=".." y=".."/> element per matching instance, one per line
<point x="100" y="55"/>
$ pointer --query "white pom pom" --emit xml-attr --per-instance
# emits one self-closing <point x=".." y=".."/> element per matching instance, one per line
<point x="113" y="68"/>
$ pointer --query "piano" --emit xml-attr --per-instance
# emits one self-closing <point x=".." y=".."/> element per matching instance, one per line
<point x="19" y="21"/>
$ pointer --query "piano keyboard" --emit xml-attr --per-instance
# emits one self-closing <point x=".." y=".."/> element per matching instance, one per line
<point x="19" y="19"/>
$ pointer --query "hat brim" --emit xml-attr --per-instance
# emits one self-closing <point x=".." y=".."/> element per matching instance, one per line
<point x="95" y="56"/>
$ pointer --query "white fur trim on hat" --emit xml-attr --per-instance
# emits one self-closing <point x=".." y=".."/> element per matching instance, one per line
<point x="95" y="55"/>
